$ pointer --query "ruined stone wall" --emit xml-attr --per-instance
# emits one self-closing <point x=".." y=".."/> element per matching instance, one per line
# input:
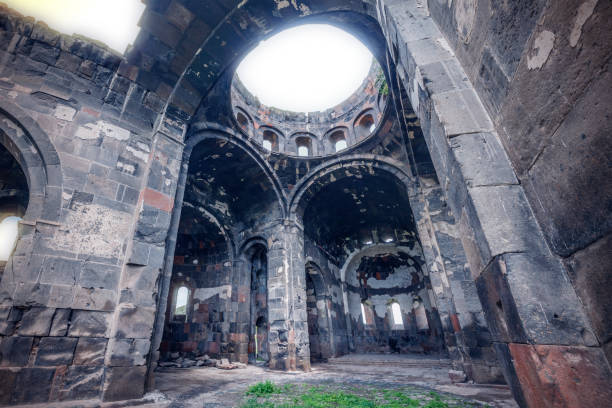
<point x="541" y="70"/>
<point x="79" y="296"/>
<point x="333" y="296"/>
<point x="379" y="276"/>
<point x="205" y="267"/>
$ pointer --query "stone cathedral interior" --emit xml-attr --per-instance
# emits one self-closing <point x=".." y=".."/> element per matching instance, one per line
<point x="441" y="237"/>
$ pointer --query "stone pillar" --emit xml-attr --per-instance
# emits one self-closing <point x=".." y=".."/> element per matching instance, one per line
<point x="288" y="337"/>
<point x="466" y="333"/>
<point x="138" y="313"/>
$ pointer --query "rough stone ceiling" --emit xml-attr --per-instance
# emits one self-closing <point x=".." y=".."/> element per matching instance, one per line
<point x="226" y="181"/>
<point x="345" y="213"/>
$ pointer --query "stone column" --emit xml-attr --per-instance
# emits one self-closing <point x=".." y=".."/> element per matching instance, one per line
<point x="288" y="337"/>
<point x="138" y="314"/>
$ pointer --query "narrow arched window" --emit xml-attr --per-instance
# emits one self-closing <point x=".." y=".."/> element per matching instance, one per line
<point x="396" y="312"/>
<point x="363" y="315"/>
<point x="338" y="140"/>
<point x="243" y="121"/>
<point x="270" y="141"/>
<point x="304" y="145"/>
<point x="182" y="298"/>
<point x="8" y="236"/>
<point x="365" y="125"/>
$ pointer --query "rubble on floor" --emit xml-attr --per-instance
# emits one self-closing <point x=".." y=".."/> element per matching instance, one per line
<point x="178" y="361"/>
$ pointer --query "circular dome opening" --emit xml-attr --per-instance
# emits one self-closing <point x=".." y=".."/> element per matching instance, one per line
<point x="309" y="91"/>
<point x="308" y="68"/>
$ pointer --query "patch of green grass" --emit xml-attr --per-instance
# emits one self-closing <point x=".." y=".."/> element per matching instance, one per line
<point x="340" y="399"/>
<point x="269" y="395"/>
<point x="264" y="388"/>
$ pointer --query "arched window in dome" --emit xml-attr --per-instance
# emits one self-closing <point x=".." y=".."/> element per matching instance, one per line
<point x="338" y="140"/>
<point x="365" y="125"/>
<point x="8" y="236"/>
<point x="242" y="120"/>
<point x="304" y="146"/>
<point x="270" y="141"/>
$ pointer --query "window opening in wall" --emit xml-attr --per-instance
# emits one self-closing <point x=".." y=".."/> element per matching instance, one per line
<point x="303" y="146"/>
<point x="365" y="126"/>
<point x="270" y="141"/>
<point x="396" y="311"/>
<point x="340" y="145"/>
<point x="242" y="120"/>
<point x="8" y="236"/>
<point x="338" y="140"/>
<point x="363" y="314"/>
<point x="303" y="151"/>
<point x="182" y="295"/>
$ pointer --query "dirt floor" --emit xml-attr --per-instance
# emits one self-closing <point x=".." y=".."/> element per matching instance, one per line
<point x="207" y="387"/>
<point x="211" y="387"/>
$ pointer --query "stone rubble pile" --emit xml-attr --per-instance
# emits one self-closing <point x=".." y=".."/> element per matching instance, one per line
<point x="176" y="360"/>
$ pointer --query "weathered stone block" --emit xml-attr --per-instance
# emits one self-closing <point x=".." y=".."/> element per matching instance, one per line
<point x="90" y="324"/>
<point x="7" y="384"/>
<point x="545" y="300"/>
<point x="589" y="271"/>
<point x="36" y="321"/>
<point x="124" y="383"/>
<point x="95" y="299"/>
<point x="60" y="271"/>
<point x="81" y="382"/>
<point x="135" y="322"/>
<point x="44" y="53"/>
<point x="98" y="275"/>
<point x="15" y="351"/>
<point x="558" y="376"/>
<point x="482" y="160"/>
<point x="129" y="352"/>
<point x="54" y="351"/>
<point x="461" y="112"/>
<point x="90" y="351"/>
<point x="33" y="385"/>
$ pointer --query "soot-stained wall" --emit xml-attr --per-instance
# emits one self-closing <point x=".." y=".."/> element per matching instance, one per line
<point x="378" y="277"/>
<point x="203" y="264"/>
<point x="328" y="294"/>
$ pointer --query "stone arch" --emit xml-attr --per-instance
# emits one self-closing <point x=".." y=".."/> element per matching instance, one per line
<point x="38" y="159"/>
<point x="245" y="124"/>
<point x="320" y="177"/>
<point x="241" y="29"/>
<point x="201" y="132"/>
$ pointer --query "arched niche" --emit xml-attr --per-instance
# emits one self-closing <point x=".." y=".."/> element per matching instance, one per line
<point x="31" y="180"/>
<point x="364" y="125"/>
<point x="254" y="257"/>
